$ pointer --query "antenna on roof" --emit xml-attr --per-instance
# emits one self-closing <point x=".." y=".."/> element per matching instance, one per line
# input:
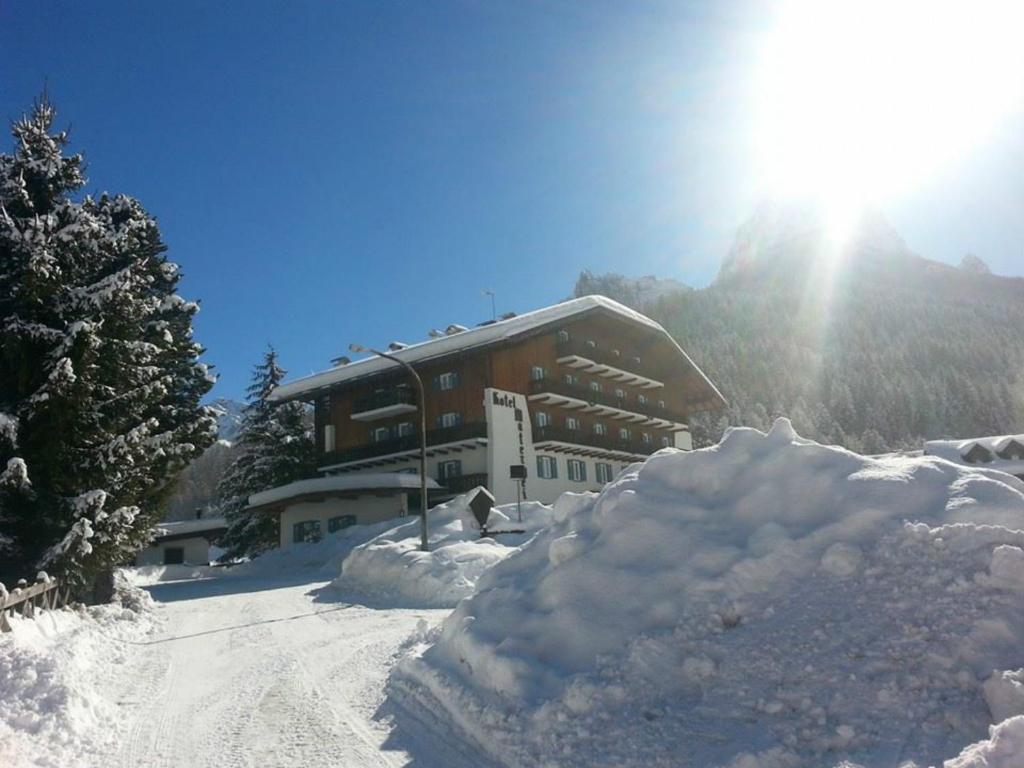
<point x="489" y="292"/>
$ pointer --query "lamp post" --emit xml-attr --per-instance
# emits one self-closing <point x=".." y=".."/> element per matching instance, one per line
<point x="357" y="348"/>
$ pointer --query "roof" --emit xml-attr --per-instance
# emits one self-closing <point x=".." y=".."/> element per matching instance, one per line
<point x="477" y="337"/>
<point x="957" y="451"/>
<point x="196" y="527"/>
<point x="374" y="481"/>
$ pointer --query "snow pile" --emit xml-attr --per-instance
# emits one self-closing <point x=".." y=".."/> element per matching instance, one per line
<point x="53" y="707"/>
<point x="392" y="566"/>
<point x="766" y="603"/>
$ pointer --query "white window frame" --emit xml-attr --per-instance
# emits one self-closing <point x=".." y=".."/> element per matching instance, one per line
<point x="537" y="373"/>
<point x="666" y="441"/>
<point x="600" y="429"/>
<point x="448" y="381"/>
<point x="576" y="470"/>
<point x="603" y="472"/>
<point x="329" y="438"/>
<point x="380" y="434"/>
<point x="572" y="423"/>
<point x="543" y="419"/>
<point x="449" y="419"/>
<point x="595" y="386"/>
<point x="645" y="438"/>
<point x="625" y="435"/>
<point x="405" y="429"/>
<point x="449" y="468"/>
<point x="547" y="467"/>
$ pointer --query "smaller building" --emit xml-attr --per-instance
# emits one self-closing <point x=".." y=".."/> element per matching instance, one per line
<point x="310" y="509"/>
<point x="184" y="542"/>
<point x="1002" y="452"/>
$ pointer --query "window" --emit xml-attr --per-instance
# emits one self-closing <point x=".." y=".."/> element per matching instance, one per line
<point x="328" y="438"/>
<point x="447" y="381"/>
<point x="341" y="521"/>
<point x="449" y="419"/>
<point x="624" y="435"/>
<point x="571" y="379"/>
<point x="380" y="434"/>
<point x="543" y="419"/>
<point x="592" y="344"/>
<point x="577" y="470"/>
<point x="645" y="438"/>
<point x="595" y="386"/>
<point x="449" y="469"/>
<point x="537" y="373"/>
<point x="600" y="429"/>
<point x="641" y="399"/>
<point x="661" y="404"/>
<point x="307" y="530"/>
<point x="571" y="422"/>
<point x="620" y="393"/>
<point x="547" y="467"/>
<point x="563" y="336"/>
<point x="405" y="429"/>
<point x="666" y="442"/>
<point x="174" y="555"/>
<point x="603" y="472"/>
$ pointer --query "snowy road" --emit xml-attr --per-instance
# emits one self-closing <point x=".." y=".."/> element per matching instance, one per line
<point x="248" y="672"/>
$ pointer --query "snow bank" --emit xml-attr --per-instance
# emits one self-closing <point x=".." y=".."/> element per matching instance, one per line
<point x="53" y="705"/>
<point x="765" y="603"/>
<point x="391" y="565"/>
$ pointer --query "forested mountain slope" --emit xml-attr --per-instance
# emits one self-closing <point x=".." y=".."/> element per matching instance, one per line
<point x="867" y="345"/>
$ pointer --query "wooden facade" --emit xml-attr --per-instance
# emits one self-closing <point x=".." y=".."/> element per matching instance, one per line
<point x="550" y="358"/>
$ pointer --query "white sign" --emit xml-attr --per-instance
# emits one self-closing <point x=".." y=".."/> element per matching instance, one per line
<point x="510" y="440"/>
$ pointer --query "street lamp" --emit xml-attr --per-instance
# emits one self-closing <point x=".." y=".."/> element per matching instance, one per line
<point x="357" y="348"/>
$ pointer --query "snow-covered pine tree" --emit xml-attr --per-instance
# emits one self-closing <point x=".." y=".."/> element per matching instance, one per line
<point x="274" y="448"/>
<point x="100" y="379"/>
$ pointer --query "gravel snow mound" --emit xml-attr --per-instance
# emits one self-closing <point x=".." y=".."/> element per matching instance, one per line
<point x="391" y="566"/>
<point x="54" y="708"/>
<point x="765" y="603"/>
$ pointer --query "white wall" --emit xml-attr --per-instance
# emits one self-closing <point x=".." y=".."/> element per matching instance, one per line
<point x="197" y="552"/>
<point x="367" y="509"/>
<point x="548" y="490"/>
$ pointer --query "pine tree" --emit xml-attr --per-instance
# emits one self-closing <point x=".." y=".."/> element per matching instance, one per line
<point x="100" y="379"/>
<point x="274" y="448"/>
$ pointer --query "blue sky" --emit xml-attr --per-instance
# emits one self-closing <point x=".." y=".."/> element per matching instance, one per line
<point x="361" y="171"/>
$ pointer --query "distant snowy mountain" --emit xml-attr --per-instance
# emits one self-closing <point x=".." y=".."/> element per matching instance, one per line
<point x="229" y="417"/>
<point x="866" y="345"/>
<point x="637" y="292"/>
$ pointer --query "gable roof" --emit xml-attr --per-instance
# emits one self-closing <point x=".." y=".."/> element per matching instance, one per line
<point x="995" y="452"/>
<point x="480" y="336"/>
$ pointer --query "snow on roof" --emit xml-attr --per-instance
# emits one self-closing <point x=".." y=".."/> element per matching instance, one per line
<point x="336" y="483"/>
<point x="473" y="337"/>
<point x="957" y="451"/>
<point x="201" y="525"/>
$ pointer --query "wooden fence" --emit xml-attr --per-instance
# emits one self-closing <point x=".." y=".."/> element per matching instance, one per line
<point x="26" y="599"/>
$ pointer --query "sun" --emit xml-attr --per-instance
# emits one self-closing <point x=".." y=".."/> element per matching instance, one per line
<point x="861" y="102"/>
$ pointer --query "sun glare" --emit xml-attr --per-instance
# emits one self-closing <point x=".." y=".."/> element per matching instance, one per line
<point x="861" y="102"/>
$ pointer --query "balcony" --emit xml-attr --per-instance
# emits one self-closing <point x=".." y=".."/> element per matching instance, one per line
<point x="586" y="400"/>
<point x="603" y="362"/>
<point x="384" y="403"/>
<point x="410" y="444"/>
<point x="463" y="483"/>
<point x="578" y="437"/>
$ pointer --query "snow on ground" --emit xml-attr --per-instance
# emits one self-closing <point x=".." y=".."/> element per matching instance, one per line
<point x="391" y="565"/>
<point x="54" y="710"/>
<point x="766" y="603"/>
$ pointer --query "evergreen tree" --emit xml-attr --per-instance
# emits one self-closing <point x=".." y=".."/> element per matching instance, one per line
<point x="274" y="447"/>
<point x="100" y="379"/>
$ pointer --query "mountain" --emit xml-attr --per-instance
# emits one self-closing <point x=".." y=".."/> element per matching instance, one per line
<point x="229" y="417"/>
<point x="864" y="344"/>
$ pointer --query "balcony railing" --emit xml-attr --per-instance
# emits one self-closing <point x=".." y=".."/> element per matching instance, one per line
<point x="587" y="395"/>
<point x="384" y="398"/>
<point x="592" y="439"/>
<point x="463" y="483"/>
<point x="411" y="442"/>
<point x="598" y="354"/>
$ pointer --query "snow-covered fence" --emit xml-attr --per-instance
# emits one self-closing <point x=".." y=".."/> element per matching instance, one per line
<point x="46" y="593"/>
